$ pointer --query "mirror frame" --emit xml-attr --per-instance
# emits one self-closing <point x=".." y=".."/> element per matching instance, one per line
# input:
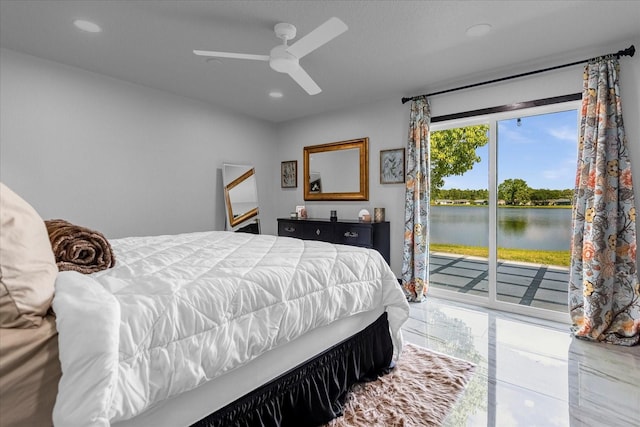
<point x="363" y="145"/>
<point x="233" y="221"/>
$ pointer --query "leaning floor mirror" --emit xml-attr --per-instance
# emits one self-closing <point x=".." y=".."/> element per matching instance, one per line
<point x="241" y="198"/>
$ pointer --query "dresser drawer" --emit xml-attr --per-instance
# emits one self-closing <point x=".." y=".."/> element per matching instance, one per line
<point x="354" y="234"/>
<point x="290" y="229"/>
<point x="318" y="231"/>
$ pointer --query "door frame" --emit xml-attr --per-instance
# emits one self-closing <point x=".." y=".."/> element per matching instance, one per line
<point x="492" y="120"/>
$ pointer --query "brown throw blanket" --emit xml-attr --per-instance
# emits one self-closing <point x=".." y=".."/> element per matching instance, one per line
<point x="78" y="248"/>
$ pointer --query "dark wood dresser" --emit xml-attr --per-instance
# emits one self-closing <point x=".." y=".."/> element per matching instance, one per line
<point x="345" y="232"/>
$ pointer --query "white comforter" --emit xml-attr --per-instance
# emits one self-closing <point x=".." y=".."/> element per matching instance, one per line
<point x="178" y="311"/>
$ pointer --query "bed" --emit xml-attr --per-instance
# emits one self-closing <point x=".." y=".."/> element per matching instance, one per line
<point x="212" y="328"/>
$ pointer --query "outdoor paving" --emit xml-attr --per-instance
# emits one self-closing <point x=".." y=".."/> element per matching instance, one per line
<point x="535" y="285"/>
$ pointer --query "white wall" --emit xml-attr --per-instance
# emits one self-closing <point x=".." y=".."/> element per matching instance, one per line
<point x="386" y="124"/>
<point x="122" y="158"/>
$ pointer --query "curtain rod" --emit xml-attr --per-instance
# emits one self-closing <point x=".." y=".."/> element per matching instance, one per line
<point x="630" y="51"/>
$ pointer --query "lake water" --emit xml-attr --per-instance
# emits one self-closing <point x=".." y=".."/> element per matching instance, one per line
<point x="525" y="228"/>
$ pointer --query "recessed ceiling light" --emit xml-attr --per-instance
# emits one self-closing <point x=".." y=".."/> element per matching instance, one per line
<point x="275" y="94"/>
<point x="478" y="30"/>
<point x="88" y="26"/>
<point x="213" y="60"/>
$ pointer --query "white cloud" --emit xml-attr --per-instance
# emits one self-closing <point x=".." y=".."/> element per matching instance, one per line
<point x="557" y="174"/>
<point x="513" y="136"/>
<point x="564" y="133"/>
<point x="566" y="172"/>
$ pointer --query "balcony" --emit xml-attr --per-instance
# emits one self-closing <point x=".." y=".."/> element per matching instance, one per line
<point x="535" y="285"/>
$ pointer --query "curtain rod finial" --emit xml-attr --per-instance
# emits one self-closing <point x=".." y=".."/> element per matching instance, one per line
<point x="630" y="51"/>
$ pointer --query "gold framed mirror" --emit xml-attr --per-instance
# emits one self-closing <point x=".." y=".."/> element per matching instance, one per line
<point x="337" y="171"/>
<point x="240" y="193"/>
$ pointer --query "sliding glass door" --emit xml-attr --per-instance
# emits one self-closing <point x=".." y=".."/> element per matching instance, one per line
<point x="459" y="212"/>
<point x="536" y="176"/>
<point x="501" y="211"/>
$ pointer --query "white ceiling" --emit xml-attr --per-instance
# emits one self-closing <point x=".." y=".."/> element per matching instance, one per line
<point x="392" y="48"/>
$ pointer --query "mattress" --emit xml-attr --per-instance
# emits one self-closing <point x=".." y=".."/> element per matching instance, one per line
<point x="189" y="407"/>
<point x="178" y="312"/>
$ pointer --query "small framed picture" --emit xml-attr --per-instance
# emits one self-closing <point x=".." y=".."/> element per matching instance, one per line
<point x="392" y="166"/>
<point x="289" y="174"/>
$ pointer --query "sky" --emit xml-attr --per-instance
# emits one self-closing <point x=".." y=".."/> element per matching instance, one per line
<point x="542" y="151"/>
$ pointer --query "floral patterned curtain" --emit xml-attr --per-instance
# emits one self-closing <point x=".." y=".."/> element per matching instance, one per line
<point x="415" y="256"/>
<point x="604" y="292"/>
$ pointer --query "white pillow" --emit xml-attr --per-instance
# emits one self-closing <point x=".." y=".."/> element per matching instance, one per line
<point x="27" y="265"/>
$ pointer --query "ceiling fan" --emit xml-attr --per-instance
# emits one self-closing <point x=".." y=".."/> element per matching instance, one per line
<point x="285" y="59"/>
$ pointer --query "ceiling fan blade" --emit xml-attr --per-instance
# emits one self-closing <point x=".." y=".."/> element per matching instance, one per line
<point x="305" y="81"/>
<point x="316" y="38"/>
<point x="231" y="55"/>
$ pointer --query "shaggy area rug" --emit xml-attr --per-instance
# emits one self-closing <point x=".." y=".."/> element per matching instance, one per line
<point x="420" y="391"/>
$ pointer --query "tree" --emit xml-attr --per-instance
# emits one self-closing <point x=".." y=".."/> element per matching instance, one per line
<point x="514" y="191"/>
<point x="453" y="152"/>
<point x="456" y="194"/>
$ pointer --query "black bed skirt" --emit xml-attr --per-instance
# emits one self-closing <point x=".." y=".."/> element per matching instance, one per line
<point x="314" y="392"/>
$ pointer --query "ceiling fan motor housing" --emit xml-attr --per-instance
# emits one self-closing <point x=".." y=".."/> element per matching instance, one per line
<point x="282" y="61"/>
<point x="285" y="31"/>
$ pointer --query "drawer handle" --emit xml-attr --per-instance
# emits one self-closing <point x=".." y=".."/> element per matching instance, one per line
<point x="289" y="229"/>
<point x="350" y="234"/>
<point x="317" y="232"/>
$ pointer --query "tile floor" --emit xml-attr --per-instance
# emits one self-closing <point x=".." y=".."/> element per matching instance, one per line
<point x="535" y="285"/>
<point x="530" y="371"/>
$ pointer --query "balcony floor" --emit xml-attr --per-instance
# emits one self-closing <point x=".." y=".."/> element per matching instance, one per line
<point x="535" y="285"/>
